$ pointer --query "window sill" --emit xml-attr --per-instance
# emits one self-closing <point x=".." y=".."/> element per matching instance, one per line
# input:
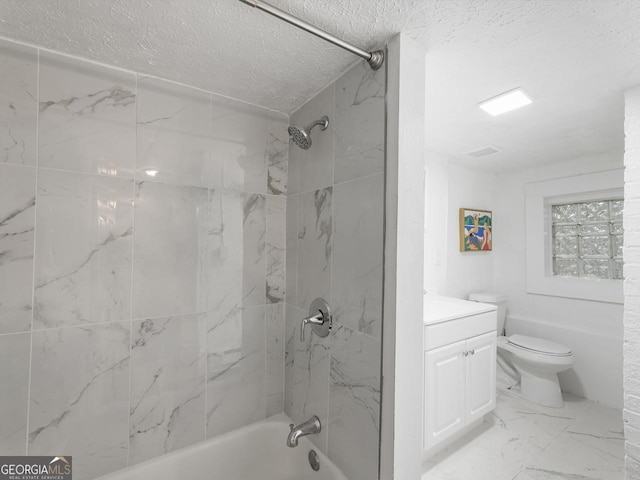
<point x="609" y="291"/>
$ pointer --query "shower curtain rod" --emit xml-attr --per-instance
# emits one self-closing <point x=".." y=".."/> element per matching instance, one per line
<point x="375" y="59"/>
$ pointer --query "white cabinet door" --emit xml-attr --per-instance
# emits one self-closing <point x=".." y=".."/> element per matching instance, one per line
<point x="481" y="375"/>
<point x="444" y="392"/>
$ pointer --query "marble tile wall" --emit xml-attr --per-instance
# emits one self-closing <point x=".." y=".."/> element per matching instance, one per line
<point x="142" y="262"/>
<point x="334" y="249"/>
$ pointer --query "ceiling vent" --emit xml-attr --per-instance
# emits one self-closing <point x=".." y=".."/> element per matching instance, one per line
<point x="484" y="151"/>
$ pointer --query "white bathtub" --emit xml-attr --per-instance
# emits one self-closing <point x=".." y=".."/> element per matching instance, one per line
<point x="255" y="452"/>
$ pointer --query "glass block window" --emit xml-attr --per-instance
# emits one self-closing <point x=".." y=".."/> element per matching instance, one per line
<point x="587" y="239"/>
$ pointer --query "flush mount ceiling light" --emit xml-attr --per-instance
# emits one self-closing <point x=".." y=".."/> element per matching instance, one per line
<point x="151" y="172"/>
<point x="505" y="102"/>
<point x="484" y="151"/>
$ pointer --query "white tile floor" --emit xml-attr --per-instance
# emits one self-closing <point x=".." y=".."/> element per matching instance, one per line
<point x="523" y="441"/>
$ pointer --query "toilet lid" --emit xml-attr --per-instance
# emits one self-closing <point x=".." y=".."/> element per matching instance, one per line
<point x="539" y="345"/>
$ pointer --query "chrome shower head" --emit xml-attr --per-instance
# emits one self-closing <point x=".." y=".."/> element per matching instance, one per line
<point x="302" y="136"/>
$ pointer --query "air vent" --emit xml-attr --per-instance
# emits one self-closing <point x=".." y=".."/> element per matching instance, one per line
<point x="484" y="151"/>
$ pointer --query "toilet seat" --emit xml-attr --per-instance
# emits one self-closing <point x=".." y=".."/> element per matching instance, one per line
<point x="539" y="345"/>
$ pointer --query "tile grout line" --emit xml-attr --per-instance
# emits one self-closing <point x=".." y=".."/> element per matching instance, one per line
<point x="206" y="293"/>
<point x="340" y="184"/>
<point x="267" y="310"/>
<point x="148" y="180"/>
<point x="128" y="70"/>
<point x="283" y="386"/>
<point x="133" y="253"/>
<point x="333" y="239"/>
<point x="283" y="309"/>
<point x="33" y="269"/>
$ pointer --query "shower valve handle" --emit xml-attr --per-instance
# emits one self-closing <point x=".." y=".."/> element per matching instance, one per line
<point x="317" y="319"/>
<point x="320" y="318"/>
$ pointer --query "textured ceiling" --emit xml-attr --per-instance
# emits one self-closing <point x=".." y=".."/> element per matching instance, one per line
<point x="574" y="57"/>
<point x="219" y="45"/>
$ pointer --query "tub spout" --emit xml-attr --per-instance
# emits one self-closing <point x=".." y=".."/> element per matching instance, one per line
<point x="307" y="428"/>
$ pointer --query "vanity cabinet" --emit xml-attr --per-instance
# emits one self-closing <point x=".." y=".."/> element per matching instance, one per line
<point x="480" y="376"/>
<point x="459" y="376"/>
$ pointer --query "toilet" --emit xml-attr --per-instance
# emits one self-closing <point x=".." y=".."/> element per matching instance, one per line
<point x="532" y="362"/>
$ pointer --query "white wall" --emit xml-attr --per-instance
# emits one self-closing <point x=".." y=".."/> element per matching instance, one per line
<point x="632" y="283"/>
<point x="401" y="428"/>
<point x="593" y="330"/>
<point x="451" y="187"/>
<point x="436" y="203"/>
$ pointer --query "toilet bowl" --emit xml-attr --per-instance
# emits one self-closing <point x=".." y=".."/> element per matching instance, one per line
<point x="538" y="363"/>
<point x="531" y="362"/>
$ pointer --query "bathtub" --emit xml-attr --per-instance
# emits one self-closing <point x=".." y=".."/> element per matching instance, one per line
<point x="255" y="452"/>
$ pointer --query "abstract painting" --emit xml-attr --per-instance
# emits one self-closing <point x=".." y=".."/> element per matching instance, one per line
<point x="476" y="230"/>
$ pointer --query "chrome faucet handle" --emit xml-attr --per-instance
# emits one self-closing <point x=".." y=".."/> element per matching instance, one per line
<point x="319" y="317"/>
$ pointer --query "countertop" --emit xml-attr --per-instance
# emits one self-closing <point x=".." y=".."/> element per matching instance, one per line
<point x="439" y="309"/>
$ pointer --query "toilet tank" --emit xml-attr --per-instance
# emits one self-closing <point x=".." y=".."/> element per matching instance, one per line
<point x="497" y="299"/>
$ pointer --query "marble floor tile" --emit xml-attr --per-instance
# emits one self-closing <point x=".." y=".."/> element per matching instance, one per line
<point x="469" y="462"/>
<point x="582" y="441"/>
<point x="509" y="446"/>
<point x="523" y="476"/>
<point x="599" y="427"/>
<point x="530" y="422"/>
<point x="570" y="457"/>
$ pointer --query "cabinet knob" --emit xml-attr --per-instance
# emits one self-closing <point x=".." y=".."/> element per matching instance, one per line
<point x="465" y="353"/>
<point x="472" y="352"/>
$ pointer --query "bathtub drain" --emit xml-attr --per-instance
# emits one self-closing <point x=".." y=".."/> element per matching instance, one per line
<point x="314" y="460"/>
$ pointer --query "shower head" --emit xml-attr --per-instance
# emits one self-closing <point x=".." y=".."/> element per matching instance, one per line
<point x="302" y="136"/>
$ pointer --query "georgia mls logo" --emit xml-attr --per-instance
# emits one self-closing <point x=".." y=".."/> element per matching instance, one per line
<point x="35" y="468"/>
<point x="63" y="465"/>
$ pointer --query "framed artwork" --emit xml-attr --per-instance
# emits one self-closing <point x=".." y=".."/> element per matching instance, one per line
<point x="476" y="230"/>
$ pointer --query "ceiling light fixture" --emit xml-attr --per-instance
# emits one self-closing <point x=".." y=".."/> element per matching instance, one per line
<point x="484" y="151"/>
<point x="151" y="172"/>
<point x="505" y="102"/>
